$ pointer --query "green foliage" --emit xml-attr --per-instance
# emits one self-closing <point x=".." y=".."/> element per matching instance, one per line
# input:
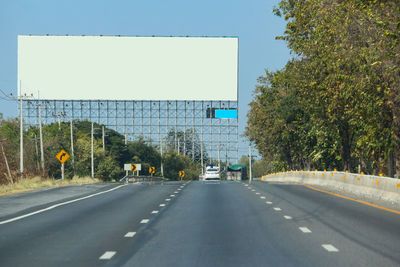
<point x="108" y="163"/>
<point x="173" y="163"/>
<point x="108" y="169"/>
<point x="337" y="103"/>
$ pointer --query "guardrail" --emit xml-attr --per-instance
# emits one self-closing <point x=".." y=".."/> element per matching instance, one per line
<point x="371" y="186"/>
<point x="135" y="178"/>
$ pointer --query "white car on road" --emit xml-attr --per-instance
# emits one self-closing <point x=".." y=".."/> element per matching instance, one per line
<point x="212" y="174"/>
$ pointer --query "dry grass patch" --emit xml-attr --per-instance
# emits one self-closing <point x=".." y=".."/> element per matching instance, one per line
<point x="37" y="183"/>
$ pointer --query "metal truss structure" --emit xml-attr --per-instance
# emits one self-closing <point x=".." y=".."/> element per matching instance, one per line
<point x="151" y="120"/>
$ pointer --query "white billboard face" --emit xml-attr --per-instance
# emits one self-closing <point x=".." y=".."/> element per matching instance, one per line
<point x="128" y="68"/>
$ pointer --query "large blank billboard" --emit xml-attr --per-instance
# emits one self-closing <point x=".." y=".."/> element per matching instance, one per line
<point x="128" y="68"/>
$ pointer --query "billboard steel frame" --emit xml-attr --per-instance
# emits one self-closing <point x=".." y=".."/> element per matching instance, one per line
<point x="149" y="119"/>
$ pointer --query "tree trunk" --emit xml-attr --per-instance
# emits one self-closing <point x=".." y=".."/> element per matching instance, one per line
<point x="391" y="164"/>
<point x="344" y="133"/>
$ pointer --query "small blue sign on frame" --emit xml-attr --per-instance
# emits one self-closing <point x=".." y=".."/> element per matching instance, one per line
<point x="226" y="113"/>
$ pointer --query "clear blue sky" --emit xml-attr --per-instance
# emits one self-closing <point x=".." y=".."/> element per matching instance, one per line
<point x="251" y="20"/>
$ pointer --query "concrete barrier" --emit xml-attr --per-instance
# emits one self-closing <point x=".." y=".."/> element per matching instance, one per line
<point x="369" y="186"/>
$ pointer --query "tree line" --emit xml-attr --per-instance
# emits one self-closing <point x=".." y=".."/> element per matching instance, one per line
<point x="108" y="162"/>
<point x="336" y="103"/>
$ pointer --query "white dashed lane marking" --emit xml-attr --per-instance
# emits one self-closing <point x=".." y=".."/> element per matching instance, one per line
<point x="167" y="199"/>
<point x="162" y="205"/>
<point x="176" y="192"/>
<point x="130" y="234"/>
<point x="107" y="255"/>
<point x="257" y="193"/>
<point x="154" y="212"/>
<point x="330" y="248"/>
<point x="172" y="195"/>
<point x="277" y="209"/>
<point x="269" y="202"/>
<point x="262" y="197"/>
<point x="144" y="221"/>
<point x="305" y="230"/>
<point x="287" y="217"/>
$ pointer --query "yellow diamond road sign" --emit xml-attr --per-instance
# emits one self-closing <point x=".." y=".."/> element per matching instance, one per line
<point x="152" y="170"/>
<point x="62" y="156"/>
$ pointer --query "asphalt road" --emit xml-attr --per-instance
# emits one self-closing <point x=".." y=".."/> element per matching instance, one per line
<point x="202" y="224"/>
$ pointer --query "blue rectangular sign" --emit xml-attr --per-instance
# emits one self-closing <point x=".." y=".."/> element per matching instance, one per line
<point x="226" y="113"/>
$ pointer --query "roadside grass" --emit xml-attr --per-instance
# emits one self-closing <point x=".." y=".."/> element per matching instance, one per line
<point x="37" y="183"/>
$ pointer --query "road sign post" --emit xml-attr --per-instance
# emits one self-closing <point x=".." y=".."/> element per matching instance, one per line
<point x="62" y="171"/>
<point x="127" y="168"/>
<point x="152" y="170"/>
<point x="181" y="174"/>
<point x="136" y="167"/>
<point x="62" y="156"/>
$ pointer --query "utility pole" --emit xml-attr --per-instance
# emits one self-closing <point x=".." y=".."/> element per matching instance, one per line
<point x="92" y="152"/>
<point x="201" y="155"/>
<point x="21" y="97"/>
<point x="37" y="153"/>
<point x="103" y="139"/>
<point x="59" y="115"/>
<point x="41" y="140"/>
<point x="250" y="178"/>
<point x="178" y="146"/>
<point x="21" y="136"/>
<point x="219" y="161"/>
<point x="72" y="145"/>
<point x="39" y="105"/>
<point x="162" y="166"/>
<point x="6" y="161"/>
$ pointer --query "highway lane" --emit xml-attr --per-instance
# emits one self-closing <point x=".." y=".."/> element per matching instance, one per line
<point x="231" y="224"/>
<point x="77" y="234"/>
<point x="205" y="224"/>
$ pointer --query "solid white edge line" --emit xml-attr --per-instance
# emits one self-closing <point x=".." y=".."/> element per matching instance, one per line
<point x="305" y="230"/>
<point x="58" y="205"/>
<point x="130" y="234"/>
<point x="329" y="248"/>
<point x="107" y="255"/>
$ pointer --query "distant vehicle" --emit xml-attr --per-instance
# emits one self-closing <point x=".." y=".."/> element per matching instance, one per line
<point x="212" y="174"/>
